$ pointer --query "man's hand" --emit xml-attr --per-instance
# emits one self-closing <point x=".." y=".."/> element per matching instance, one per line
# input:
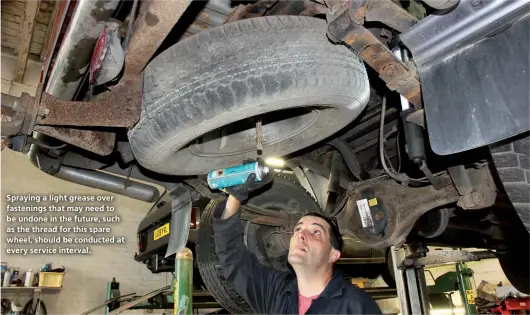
<point x="241" y="192"/>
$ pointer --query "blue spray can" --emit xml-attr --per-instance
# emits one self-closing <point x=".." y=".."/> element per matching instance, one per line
<point x="236" y="175"/>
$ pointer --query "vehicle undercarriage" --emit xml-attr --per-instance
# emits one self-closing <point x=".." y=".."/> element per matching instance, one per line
<point x="377" y="117"/>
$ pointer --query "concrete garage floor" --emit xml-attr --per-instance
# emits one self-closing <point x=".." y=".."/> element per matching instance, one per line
<point x="87" y="276"/>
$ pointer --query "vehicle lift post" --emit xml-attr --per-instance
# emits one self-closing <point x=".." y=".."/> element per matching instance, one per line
<point x="464" y="275"/>
<point x="182" y="285"/>
<point x="412" y="290"/>
<point x="410" y="284"/>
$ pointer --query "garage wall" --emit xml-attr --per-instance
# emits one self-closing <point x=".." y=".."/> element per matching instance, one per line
<point x="12" y="16"/>
<point x="86" y="276"/>
<point x="31" y="76"/>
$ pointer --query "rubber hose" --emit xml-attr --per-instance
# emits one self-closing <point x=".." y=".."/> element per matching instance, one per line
<point x="6" y="305"/>
<point x="350" y="158"/>
<point x="28" y="311"/>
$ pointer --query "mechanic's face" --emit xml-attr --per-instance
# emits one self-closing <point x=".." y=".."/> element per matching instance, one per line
<point x="310" y="244"/>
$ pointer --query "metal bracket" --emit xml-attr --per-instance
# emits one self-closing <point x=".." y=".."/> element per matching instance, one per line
<point x="119" y="108"/>
<point x="444" y="257"/>
<point x="346" y="25"/>
<point x="389" y="13"/>
<point x="402" y="206"/>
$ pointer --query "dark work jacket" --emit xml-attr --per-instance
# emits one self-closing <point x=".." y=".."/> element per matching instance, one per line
<point x="270" y="291"/>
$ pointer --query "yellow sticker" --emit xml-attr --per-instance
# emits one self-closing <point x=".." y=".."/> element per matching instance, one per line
<point x="372" y="202"/>
<point x="161" y="231"/>
<point x="175" y="296"/>
<point x="470" y="297"/>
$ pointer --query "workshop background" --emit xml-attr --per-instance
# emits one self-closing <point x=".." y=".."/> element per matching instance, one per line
<point x="86" y="277"/>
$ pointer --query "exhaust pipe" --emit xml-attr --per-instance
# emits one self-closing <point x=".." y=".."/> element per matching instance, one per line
<point x="109" y="182"/>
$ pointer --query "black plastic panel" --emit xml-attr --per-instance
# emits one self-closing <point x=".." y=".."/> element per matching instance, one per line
<point x="480" y="95"/>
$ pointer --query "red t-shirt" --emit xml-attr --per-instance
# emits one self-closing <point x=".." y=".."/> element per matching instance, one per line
<point x="304" y="303"/>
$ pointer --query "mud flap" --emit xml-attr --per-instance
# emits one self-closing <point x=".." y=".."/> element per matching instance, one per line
<point x="474" y="80"/>
<point x="181" y="201"/>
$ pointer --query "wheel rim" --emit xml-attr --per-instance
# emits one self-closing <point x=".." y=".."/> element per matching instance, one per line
<point x="240" y="137"/>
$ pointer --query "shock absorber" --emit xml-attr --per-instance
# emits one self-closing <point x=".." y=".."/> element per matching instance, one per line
<point x="415" y="144"/>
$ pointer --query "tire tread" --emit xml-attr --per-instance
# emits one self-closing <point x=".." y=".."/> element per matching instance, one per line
<point x="512" y="163"/>
<point x="173" y="80"/>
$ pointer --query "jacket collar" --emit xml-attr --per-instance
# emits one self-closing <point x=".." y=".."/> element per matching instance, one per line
<point x="333" y="289"/>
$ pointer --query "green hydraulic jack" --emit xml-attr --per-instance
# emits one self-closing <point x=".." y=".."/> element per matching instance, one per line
<point x="459" y="280"/>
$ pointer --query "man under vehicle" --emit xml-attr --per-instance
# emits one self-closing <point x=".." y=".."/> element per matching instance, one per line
<point x="314" y="288"/>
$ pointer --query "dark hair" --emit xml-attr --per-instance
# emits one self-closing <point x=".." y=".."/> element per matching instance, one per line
<point x="334" y="233"/>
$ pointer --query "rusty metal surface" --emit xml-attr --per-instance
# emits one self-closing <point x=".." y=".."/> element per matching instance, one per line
<point x="119" y="107"/>
<point x="483" y="189"/>
<point x="99" y="142"/>
<point x="214" y="13"/>
<point x="389" y="13"/>
<point x="301" y="8"/>
<point x="395" y="73"/>
<point x="236" y="14"/>
<point x="443" y="257"/>
<point x="275" y="7"/>
<point x="154" y="22"/>
<point x="347" y="27"/>
<point x="259" y="8"/>
<point x="402" y="206"/>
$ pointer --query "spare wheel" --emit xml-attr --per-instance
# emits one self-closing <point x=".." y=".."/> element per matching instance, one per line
<point x="202" y="95"/>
